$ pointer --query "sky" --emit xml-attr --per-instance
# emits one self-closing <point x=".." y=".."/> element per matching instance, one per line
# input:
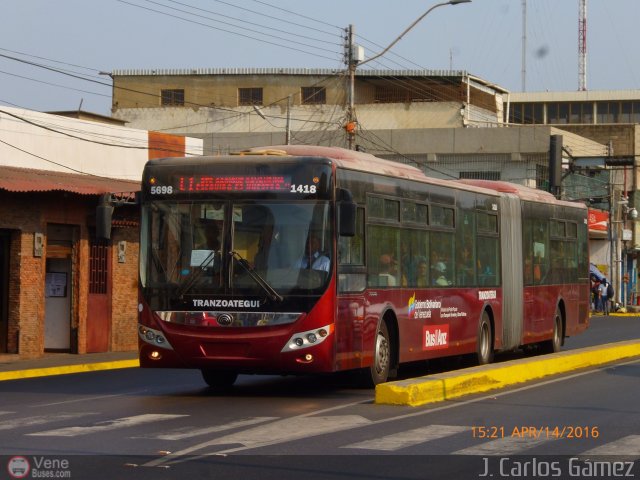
<point x="52" y="53"/>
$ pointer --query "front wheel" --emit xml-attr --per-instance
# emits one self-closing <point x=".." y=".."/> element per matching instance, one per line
<point x="218" y="379"/>
<point x="379" y="370"/>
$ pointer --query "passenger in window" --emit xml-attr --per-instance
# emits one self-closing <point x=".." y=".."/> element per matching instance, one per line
<point x="314" y="258"/>
<point x="206" y="247"/>
<point x="440" y="277"/>
<point x="465" y="267"/>
<point x="439" y="271"/>
<point x="422" y="274"/>
<point x="387" y="276"/>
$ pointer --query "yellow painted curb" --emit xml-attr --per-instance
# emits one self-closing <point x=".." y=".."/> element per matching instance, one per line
<point x="65" y="369"/>
<point x="446" y="386"/>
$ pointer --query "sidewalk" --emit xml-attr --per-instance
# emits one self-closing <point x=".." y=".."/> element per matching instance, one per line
<point x="12" y="367"/>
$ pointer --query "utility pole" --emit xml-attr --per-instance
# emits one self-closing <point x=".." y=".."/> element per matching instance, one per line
<point x="351" y="65"/>
<point x="355" y="57"/>
<point x="288" y="129"/>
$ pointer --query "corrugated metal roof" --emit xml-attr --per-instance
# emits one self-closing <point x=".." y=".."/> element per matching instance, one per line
<point x="16" y="179"/>
<point x="284" y="71"/>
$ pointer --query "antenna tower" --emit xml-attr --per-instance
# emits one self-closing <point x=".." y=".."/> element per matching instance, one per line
<point x="582" y="46"/>
<point x="523" y="73"/>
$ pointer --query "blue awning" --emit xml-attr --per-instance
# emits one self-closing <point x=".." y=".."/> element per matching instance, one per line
<point x="595" y="273"/>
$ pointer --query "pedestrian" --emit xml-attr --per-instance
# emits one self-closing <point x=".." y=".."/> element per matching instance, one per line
<point x="594" y="295"/>
<point x="611" y="297"/>
<point x="602" y="297"/>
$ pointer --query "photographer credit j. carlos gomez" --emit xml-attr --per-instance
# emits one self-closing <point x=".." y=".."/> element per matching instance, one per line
<point x="573" y="467"/>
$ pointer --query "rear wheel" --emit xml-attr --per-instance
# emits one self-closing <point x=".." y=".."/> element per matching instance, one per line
<point x="218" y="379"/>
<point x="554" y="345"/>
<point x="484" y="348"/>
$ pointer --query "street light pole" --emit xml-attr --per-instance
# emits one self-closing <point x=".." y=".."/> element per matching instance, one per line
<point x="353" y="64"/>
<point x="450" y="2"/>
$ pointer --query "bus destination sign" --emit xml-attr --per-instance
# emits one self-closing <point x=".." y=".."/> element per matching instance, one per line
<point x="233" y="183"/>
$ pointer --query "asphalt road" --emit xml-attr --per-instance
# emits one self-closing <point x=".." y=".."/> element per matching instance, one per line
<point x="165" y="424"/>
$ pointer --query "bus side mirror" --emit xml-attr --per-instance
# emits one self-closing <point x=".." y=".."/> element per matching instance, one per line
<point x="346" y="213"/>
<point x="104" y="212"/>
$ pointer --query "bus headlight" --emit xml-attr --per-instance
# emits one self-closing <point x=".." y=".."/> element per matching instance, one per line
<point x="307" y="339"/>
<point x="153" y="337"/>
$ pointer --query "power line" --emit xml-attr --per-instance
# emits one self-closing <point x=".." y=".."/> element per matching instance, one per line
<point x="54" y="84"/>
<point x="232" y="32"/>
<point x="294" y="13"/>
<point x="245" y="21"/>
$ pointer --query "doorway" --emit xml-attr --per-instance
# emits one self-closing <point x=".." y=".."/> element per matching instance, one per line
<point x="5" y="242"/>
<point x="57" y="323"/>
<point x="59" y="291"/>
<point x="99" y="300"/>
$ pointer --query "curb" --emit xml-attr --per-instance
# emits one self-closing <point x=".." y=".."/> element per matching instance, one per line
<point x="446" y="386"/>
<point x="66" y="369"/>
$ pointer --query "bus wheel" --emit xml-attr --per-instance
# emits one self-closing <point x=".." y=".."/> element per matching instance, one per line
<point x="215" y="378"/>
<point x="554" y="345"/>
<point x="484" y="349"/>
<point x="379" y="370"/>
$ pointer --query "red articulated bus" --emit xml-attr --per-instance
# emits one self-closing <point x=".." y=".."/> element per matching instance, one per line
<point x="300" y="260"/>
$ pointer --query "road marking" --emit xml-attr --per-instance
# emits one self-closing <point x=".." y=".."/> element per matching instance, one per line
<point x="173" y="458"/>
<point x="188" y="432"/>
<point x="626" y="446"/>
<point x="503" y="446"/>
<point x="409" y="438"/>
<point x="39" y="420"/>
<point x="281" y="431"/>
<point x="105" y="426"/>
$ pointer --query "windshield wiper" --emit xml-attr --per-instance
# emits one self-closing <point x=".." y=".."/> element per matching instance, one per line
<point x="269" y="290"/>
<point x="195" y="275"/>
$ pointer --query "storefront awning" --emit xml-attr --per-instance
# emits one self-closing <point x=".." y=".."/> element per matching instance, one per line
<point x="14" y="179"/>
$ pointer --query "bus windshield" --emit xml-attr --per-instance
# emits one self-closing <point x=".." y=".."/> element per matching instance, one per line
<point x="211" y="247"/>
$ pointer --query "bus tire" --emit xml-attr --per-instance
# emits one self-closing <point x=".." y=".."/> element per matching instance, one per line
<point x="554" y="345"/>
<point x="379" y="370"/>
<point x="218" y="379"/>
<point x="484" y="347"/>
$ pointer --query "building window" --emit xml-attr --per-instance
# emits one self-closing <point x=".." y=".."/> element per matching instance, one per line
<point x="558" y="113"/>
<point x="250" y="96"/>
<point x="314" y="96"/>
<point x="587" y="113"/>
<point x="515" y="113"/>
<point x="635" y="118"/>
<point x="625" y="112"/>
<point x="533" y="113"/>
<point x="98" y="266"/>
<point x="608" y="112"/>
<point x="174" y="97"/>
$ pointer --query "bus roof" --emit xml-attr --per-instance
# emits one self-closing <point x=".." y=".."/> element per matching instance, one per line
<point x="369" y="163"/>
<point x="347" y="159"/>
<point x="522" y="191"/>
<point x="361" y="161"/>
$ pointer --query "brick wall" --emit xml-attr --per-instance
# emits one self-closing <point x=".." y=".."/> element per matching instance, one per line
<point x="124" y="291"/>
<point x="27" y="213"/>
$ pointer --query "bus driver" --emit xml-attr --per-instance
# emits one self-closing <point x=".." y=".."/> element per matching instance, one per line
<point x="313" y="257"/>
